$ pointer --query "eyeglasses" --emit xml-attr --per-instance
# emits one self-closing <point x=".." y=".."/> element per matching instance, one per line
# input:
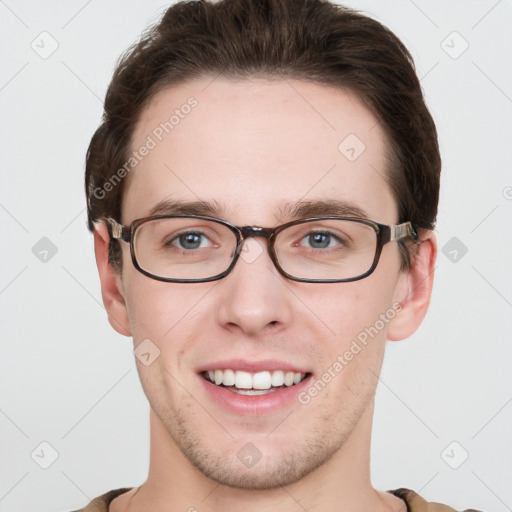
<point x="196" y="248"/>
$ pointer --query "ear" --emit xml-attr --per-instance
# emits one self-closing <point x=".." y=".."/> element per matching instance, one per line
<point x="414" y="289"/>
<point x="111" y="283"/>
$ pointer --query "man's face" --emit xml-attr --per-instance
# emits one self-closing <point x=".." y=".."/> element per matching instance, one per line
<point x="250" y="149"/>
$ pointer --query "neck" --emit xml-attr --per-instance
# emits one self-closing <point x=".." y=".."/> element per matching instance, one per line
<point x="342" y="483"/>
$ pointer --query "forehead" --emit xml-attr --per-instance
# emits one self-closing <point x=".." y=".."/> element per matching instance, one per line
<point x="254" y="147"/>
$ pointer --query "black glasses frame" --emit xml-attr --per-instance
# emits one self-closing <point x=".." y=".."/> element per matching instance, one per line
<point x="383" y="232"/>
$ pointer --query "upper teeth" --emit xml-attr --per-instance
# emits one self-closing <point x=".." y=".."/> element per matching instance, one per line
<point x="259" y="380"/>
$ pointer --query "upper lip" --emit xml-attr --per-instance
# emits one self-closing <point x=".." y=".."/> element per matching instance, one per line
<point x="252" y="366"/>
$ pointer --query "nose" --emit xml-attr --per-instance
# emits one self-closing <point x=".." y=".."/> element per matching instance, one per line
<point x="254" y="297"/>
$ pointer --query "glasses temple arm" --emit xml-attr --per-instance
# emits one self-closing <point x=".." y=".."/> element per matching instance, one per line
<point x="119" y="232"/>
<point x="402" y="231"/>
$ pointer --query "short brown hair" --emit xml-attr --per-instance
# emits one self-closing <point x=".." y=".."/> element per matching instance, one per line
<point x="312" y="40"/>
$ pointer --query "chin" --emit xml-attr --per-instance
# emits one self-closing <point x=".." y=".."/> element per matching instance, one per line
<point x="271" y="463"/>
<point x="268" y="473"/>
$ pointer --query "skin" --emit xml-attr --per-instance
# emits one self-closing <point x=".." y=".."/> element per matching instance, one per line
<point x="254" y="146"/>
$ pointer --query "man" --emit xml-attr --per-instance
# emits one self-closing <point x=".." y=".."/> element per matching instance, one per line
<point x="262" y="192"/>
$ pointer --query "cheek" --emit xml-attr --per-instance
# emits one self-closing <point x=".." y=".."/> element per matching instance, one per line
<point x="352" y="354"/>
<point x="358" y="315"/>
<point x="157" y="308"/>
<point x="149" y="309"/>
<point x="167" y="316"/>
<point x="171" y="315"/>
<point x="351" y="309"/>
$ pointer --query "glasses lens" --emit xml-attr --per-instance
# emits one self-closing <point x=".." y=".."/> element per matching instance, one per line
<point x="184" y="248"/>
<point x="326" y="249"/>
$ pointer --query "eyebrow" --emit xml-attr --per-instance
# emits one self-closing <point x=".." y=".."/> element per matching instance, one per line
<point x="290" y="211"/>
<point x="179" y="207"/>
<point x="321" y="208"/>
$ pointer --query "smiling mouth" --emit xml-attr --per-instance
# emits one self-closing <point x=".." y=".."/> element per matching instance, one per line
<point x="259" y="383"/>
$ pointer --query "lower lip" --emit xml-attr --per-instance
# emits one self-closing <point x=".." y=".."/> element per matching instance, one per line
<point x="254" y="404"/>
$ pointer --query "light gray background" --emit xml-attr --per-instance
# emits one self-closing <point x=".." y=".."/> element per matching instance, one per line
<point x="69" y="380"/>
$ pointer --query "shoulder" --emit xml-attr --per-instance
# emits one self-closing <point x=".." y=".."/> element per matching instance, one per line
<point x="415" y="503"/>
<point x="101" y="503"/>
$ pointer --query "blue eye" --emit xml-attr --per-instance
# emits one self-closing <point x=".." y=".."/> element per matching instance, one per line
<point x="189" y="241"/>
<point x="319" y="240"/>
<point x="322" y="240"/>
